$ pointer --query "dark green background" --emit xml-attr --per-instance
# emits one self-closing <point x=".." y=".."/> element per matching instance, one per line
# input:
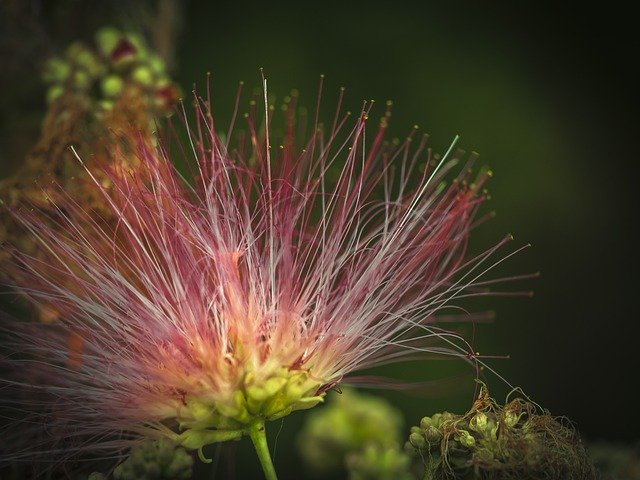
<point x="544" y="94"/>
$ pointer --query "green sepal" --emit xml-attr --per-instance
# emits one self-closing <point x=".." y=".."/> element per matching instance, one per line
<point x="195" y="439"/>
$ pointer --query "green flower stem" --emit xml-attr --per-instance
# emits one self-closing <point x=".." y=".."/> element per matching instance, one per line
<point x="259" y="438"/>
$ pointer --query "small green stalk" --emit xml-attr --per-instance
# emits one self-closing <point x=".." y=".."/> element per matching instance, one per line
<point x="259" y="438"/>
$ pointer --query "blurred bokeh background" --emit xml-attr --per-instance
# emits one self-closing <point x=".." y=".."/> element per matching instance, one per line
<point x="544" y="94"/>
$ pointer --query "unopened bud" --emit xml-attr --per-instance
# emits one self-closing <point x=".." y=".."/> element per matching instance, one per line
<point x="417" y="440"/>
<point x="510" y="418"/>
<point x="199" y="410"/>
<point x="426" y="422"/>
<point x="465" y="438"/>
<point x="56" y="70"/>
<point x="54" y="93"/>
<point x="446" y="416"/>
<point x="479" y="422"/>
<point x="142" y="75"/>
<point x="107" y="38"/>
<point x="81" y="80"/>
<point x="106" y="105"/>
<point x="89" y="62"/>
<point x="156" y="64"/>
<point x="111" y="86"/>
<point x="433" y="435"/>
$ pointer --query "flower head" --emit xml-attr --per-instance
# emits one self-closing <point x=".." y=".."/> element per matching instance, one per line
<point x="248" y="291"/>
<point x="516" y="440"/>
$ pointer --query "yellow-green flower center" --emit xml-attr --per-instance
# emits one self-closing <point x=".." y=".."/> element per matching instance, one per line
<point x="206" y="420"/>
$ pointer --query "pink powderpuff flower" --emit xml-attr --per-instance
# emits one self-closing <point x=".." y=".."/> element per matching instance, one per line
<point x="210" y="306"/>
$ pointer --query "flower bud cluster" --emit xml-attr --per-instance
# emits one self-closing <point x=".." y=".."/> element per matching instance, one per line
<point x="96" y="93"/>
<point x="358" y="433"/>
<point x="491" y="441"/>
<point x="158" y="460"/>
<point x="377" y="462"/>
<point x="466" y="438"/>
<point x="153" y="460"/>
<point x="117" y="63"/>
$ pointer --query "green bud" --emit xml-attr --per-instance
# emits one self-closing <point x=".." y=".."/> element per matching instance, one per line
<point x="510" y="418"/>
<point x="89" y="62"/>
<point x="106" y="105"/>
<point x="296" y="386"/>
<point x="274" y="385"/>
<point x="111" y="86"/>
<point x="275" y="406"/>
<point x="440" y="418"/>
<point x="282" y="412"/>
<point x="446" y="417"/>
<point x="73" y="50"/>
<point x="56" y="70"/>
<point x="143" y="75"/>
<point x="107" y="38"/>
<point x="236" y="408"/>
<point x="465" y="438"/>
<point x="417" y="440"/>
<point x="433" y="435"/>
<point x="54" y="93"/>
<point x="81" y="80"/>
<point x="426" y="422"/>
<point x="156" y="64"/>
<point x="256" y="395"/>
<point x="199" y="410"/>
<point x="306" y="403"/>
<point x="479" y="422"/>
